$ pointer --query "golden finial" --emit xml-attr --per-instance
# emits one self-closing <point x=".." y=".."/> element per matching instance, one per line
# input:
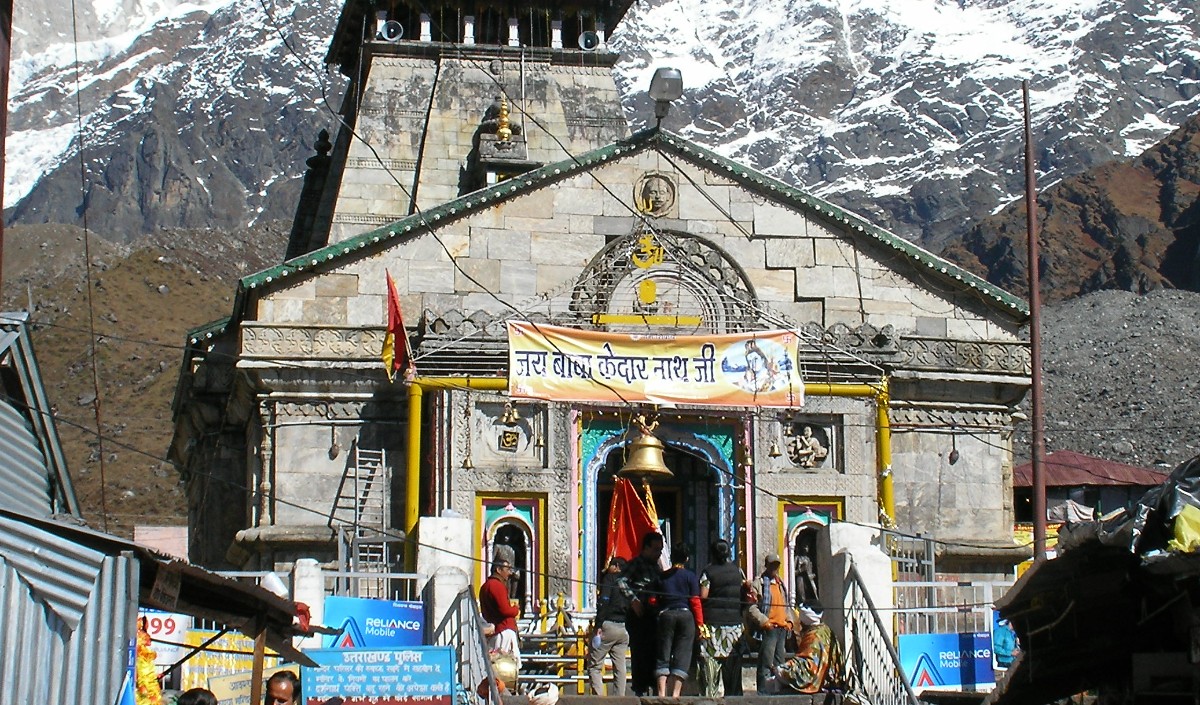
<point x="503" y="131"/>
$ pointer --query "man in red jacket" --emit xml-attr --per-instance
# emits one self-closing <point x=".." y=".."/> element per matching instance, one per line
<point x="499" y="611"/>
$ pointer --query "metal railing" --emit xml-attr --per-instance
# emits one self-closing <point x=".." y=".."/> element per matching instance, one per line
<point x="913" y="557"/>
<point x="872" y="662"/>
<point x="383" y="586"/>
<point x="946" y="607"/>
<point x="462" y="628"/>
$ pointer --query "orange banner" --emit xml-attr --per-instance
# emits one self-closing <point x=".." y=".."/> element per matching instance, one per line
<point x="566" y="364"/>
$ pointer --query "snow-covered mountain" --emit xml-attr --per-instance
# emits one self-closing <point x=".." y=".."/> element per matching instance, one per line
<point x="193" y="114"/>
<point x="908" y="111"/>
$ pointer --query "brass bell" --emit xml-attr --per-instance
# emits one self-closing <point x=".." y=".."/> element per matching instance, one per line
<point x="645" y="458"/>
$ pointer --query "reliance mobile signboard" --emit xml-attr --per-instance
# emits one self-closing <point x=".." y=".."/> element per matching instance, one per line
<point x="366" y="622"/>
<point x="948" y="661"/>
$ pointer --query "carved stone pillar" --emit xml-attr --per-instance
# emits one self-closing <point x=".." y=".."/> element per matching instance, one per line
<point x="266" y="466"/>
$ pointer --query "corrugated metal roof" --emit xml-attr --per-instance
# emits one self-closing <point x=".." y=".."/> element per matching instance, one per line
<point x="1065" y="468"/>
<point x="59" y="572"/>
<point x="22" y="466"/>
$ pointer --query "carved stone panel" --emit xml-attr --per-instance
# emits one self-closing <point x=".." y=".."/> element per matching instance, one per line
<point x="259" y="341"/>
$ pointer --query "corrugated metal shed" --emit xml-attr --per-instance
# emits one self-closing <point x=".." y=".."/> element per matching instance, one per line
<point x="69" y="596"/>
<point x="67" y="617"/>
<point x="33" y="470"/>
<point x="1065" y="468"/>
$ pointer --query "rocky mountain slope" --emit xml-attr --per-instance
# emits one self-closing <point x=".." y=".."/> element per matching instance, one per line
<point x="146" y="296"/>
<point x="1119" y="377"/>
<point x="1127" y="225"/>
<point x="193" y="116"/>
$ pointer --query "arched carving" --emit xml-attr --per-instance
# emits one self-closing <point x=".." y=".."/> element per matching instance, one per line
<point x="668" y="274"/>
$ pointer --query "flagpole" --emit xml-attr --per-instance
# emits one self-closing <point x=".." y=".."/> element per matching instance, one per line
<point x="1035" y="343"/>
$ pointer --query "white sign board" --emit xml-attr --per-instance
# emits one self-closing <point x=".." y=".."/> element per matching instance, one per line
<point x="166" y="627"/>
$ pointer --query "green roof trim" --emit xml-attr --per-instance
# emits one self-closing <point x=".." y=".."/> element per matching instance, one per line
<point x="652" y="137"/>
<point x="208" y="330"/>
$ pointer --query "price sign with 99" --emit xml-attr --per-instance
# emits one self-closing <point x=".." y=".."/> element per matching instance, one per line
<point x="160" y="625"/>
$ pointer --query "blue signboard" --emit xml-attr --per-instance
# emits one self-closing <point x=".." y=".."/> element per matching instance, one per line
<point x="423" y="674"/>
<point x="373" y="623"/>
<point x="950" y="661"/>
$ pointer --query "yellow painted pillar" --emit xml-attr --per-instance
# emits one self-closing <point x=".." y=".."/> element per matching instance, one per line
<point x="883" y="440"/>
<point x="412" y="481"/>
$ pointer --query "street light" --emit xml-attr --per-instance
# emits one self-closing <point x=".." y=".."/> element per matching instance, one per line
<point x="666" y="86"/>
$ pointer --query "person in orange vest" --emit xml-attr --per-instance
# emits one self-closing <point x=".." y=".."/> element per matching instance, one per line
<point x="772" y="614"/>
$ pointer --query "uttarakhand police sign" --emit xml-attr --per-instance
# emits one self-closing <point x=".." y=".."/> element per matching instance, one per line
<point x="948" y="661"/>
<point x="566" y="364"/>
<point x="422" y="674"/>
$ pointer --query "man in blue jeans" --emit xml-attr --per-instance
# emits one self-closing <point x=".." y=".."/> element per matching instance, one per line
<point x="772" y="613"/>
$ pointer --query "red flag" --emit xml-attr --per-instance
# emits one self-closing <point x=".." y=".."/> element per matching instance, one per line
<point x="397" y="355"/>
<point x="628" y="521"/>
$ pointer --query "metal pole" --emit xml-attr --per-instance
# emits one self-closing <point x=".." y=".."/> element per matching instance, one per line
<point x="1035" y="344"/>
<point x="5" y="54"/>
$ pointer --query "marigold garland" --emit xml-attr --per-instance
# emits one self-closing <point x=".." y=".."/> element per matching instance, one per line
<point x="147" y="689"/>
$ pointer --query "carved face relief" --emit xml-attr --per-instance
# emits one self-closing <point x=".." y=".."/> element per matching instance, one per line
<point x="654" y="194"/>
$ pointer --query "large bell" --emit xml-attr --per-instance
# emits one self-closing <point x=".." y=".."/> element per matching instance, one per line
<point x="645" y="458"/>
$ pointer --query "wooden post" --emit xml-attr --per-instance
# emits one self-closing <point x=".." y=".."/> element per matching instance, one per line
<point x="256" y="673"/>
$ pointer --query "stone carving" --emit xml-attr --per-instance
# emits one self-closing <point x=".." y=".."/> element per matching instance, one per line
<point x="956" y="417"/>
<point x="806" y="449"/>
<point x="937" y="353"/>
<point x="654" y="194"/>
<point x="716" y="284"/>
<point x="306" y="342"/>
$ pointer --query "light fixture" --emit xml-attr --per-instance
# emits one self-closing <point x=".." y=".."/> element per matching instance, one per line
<point x="665" y="86"/>
<point x="953" y="457"/>
<point x="335" y="448"/>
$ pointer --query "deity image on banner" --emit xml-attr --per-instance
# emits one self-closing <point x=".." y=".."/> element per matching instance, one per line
<point x="757" y="366"/>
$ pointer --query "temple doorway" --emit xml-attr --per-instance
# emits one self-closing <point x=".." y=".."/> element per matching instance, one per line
<point x="688" y="510"/>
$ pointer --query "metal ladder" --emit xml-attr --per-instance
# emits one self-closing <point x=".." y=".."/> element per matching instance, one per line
<point x="362" y="508"/>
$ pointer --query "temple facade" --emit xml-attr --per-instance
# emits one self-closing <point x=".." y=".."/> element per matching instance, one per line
<point x="484" y="162"/>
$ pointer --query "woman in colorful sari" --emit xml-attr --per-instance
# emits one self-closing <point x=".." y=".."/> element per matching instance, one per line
<point x="817" y="665"/>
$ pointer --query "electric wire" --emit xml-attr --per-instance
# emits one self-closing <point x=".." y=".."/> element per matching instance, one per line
<point x="87" y="259"/>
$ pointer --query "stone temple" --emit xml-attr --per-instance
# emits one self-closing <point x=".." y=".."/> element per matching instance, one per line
<point x="484" y="161"/>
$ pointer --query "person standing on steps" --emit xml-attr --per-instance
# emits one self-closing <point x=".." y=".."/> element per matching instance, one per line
<point x="680" y="617"/>
<point x="499" y="611"/>
<point x="642" y="575"/>
<point x="772" y="614"/>
<point x="722" y="586"/>
<point x="611" y="637"/>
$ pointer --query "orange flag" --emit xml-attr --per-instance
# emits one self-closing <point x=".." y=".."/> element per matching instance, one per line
<point x="397" y="355"/>
<point x="628" y="520"/>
